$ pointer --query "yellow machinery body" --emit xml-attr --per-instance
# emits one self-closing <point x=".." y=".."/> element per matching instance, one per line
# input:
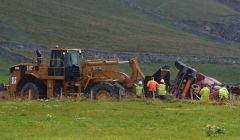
<point x="66" y="75"/>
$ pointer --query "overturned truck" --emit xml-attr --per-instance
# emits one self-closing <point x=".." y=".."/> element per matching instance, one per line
<point x="189" y="81"/>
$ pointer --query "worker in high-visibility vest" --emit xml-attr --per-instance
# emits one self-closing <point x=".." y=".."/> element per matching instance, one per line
<point x="162" y="90"/>
<point x="139" y="90"/>
<point x="204" y="92"/>
<point x="223" y="93"/>
<point x="152" y="86"/>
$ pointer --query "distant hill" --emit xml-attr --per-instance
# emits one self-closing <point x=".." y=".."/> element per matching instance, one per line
<point x="186" y="27"/>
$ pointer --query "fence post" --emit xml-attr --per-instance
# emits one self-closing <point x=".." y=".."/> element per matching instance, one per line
<point x="91" y="94"/>
<point x="61" y="93"/>
<point x="29" y="94"/>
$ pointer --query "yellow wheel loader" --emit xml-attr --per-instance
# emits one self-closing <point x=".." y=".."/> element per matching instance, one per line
<point x="68" y="75"/>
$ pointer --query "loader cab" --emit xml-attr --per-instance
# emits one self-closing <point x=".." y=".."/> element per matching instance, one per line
<point x="65" y="62"/>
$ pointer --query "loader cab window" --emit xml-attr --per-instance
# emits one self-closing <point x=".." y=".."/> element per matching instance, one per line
<point x="71" y="58"/>
<point x="65" y="63"/>
<point x="56" y="59"/>
<point x="56" y="63"/>
<point x="72" y="64"/>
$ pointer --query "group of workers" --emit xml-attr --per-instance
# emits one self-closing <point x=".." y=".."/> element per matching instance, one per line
<point x="208" y="92"/>
<point x="153" y="87"/>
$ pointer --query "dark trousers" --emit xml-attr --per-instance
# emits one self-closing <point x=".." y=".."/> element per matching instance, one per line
<point x="162" y="97"/>
<point x="153" y="94"/>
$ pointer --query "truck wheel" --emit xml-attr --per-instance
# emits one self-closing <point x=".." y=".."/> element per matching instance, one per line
<point x="29" y="91"/>
<point x="104" y="91"/>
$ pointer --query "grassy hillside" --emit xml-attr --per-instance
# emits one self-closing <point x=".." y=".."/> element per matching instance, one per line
<point x="113" y="25"/>
<point x="57" y="120"/>
<point x="208" y="10"/>
<point x="5" y="64"/>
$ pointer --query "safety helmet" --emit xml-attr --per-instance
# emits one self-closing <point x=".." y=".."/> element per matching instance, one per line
<point x="140" y="82"/>
<point x="217" y="87"/>
<point x="162" y="81"/>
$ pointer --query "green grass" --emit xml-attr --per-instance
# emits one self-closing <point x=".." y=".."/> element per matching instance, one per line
<point x="206" y="10"/>
<point x="71" y="119"/>
<point x="5" y="64"/>
<point x="112" y="26"/>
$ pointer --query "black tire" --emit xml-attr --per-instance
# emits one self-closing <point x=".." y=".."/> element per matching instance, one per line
<point x="34" y="91"/>
<point x="104" y="88"/>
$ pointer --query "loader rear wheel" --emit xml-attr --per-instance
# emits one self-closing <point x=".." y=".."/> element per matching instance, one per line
<point x="29" y="91"/>
<point x="104" y="91"/>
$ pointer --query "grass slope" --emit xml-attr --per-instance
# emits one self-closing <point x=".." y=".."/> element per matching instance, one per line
<point x="206" y="10"/>
<point x="5" y="64"/>
<point x="112" y="25"/>
<point x="103" y="120"/>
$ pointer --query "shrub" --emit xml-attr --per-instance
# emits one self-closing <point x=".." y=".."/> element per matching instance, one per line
<point x="212" y="130"/>
<point x="49" y="117"/>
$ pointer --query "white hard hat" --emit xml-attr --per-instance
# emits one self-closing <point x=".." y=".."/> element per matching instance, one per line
<point x="162" y="81"/>
<point x="217" y="87"/>
<point x="140" y="82"/>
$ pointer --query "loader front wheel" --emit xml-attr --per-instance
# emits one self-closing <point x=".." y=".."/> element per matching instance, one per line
<point x="104" y="91"/>
<point x="29" y="91"/>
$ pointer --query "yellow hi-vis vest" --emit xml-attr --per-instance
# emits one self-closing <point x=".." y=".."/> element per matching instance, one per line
<point x="204" y="92"/>
<point x="162" y="89"/>
<point x="223" y="93"/>
<point x="139" y="90"/>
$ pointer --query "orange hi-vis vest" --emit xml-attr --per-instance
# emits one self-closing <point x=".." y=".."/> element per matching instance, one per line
<point x="152" y="85"/>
